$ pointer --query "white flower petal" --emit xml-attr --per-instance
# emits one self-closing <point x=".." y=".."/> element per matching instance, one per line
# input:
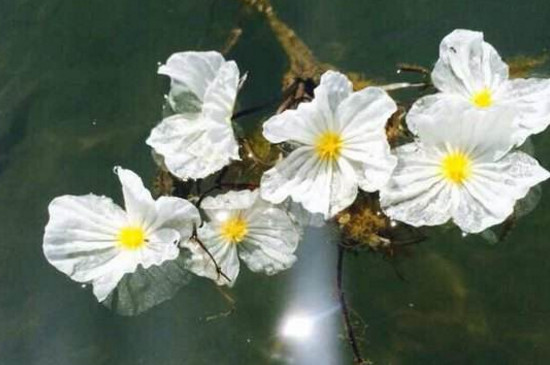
<point x="415" y="193"/>
<point x="482" y="135"/>
<point x="194" y="148"/>
<point x="467" y="64"/>
<point x="191" y="74"/>
<point x="304" y="124"/>
<point x="473" y="216"/>
<point x="265" y="252"/>
<point x="522" y="172"/>
<point x="106" y="278"/>
<point x="80" y="240"/>
<point x="305" y="178"/>
<point x="161" y="245"/>
<point x="140" y="205"/>
<point x="176" y="213"/>
<point x="489" y="196"/>
<point x="371" y="158"/>
<point x="301" y="125"/>
<point x="224" y="253"/>
<point x="436" y="104"/>
<point x="271" y="240"/>
<point x="277" y="183"/>
<point x="333" y="89"/>
<point x="301" y="216"/>
<point x="531" y="99"/>
<point x="79" y="227"/>
<point x="219" y="99"/>
<point x="219" y="207"/>
<point x="365" y="111"/>
<point x="343" y="187"/>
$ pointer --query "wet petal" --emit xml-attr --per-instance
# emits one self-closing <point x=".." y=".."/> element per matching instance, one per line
<point x="416" y="194"/>
<point x="162" y="245"/>
<point x="343" y="187"/>
<point x="140" y="206"/>
<point x="194" y="148"/>
<point x="191" y="74"/>
<point x="301" y="125"/>
<point x="531" y="99"/>
<point x="482" y="135"/>
<point x="371" y="158"/>
<point x="365" y="111"/>
<point x="333" y="89"/>
<point x="488" y="198"/>
<point x="271" y="240"/>
<point x="176" y="213"/>
<point x="218" y="207"/>
<point x="80" y="241"/>
<point x="223" y="252"/>
<point x="467" y="64"/>
<point x="219" y="99"/>
<point x="302" y="176"/>
<point x="430" y="105"/>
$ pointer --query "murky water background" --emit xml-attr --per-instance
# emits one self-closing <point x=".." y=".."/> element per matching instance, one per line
<point x="79" y="94"/>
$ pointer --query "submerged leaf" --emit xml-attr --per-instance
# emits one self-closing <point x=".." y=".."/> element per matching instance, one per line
<point x="146" y="288"/>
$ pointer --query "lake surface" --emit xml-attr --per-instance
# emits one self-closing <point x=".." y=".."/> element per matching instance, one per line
<point x="79" y="94"/>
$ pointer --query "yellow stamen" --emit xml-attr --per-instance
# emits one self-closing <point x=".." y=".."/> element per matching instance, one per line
<point x="329" y="145"/>
<point x="234" y="229"/>
<point x="131" y="238"/>
<point x="456" y="167"/>
<point x="483" y="98"/>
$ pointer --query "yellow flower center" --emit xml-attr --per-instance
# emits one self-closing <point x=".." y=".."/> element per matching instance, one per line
<point x="456" y="167"/>
<point x="329" y="145"/>
<point x="131" y="238"/>
<point x="483" y="98"/>
<point x="234" y="229"/>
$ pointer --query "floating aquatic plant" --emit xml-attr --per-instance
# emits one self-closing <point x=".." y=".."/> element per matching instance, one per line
<point x="339" y="150"/>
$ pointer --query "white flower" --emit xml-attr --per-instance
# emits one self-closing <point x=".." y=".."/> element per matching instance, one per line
<point x="198" y="140"/>
<point x="461" y="168"/>
<point x="341" y="145"/>
<point x="92" y="240"/>
<point x="471" y="72"/>
<point x="243" y="225"/>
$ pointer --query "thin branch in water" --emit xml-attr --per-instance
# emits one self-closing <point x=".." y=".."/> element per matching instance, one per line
<point x="232" y="308"/>
<point x="232" y="39"/>
<point x="405" y="85"/>
<point x="357" y="358"/>
<point x="406" y="67"/>
<point x="218" y="268"/>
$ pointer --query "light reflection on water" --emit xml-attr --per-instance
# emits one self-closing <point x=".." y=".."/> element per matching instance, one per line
<point x="310" y="324"/>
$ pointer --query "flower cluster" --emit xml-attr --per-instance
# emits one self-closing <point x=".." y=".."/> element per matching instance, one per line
<point x="462" y="165"/>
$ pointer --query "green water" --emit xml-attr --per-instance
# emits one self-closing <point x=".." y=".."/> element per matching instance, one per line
<point x="79" y="94"/>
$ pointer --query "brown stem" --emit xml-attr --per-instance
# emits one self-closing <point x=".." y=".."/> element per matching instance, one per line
<point x="357" y="358"/>
<point x="218" y="268"/>
<point x="407" y="67"/>
<point x="229" y="299"/>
